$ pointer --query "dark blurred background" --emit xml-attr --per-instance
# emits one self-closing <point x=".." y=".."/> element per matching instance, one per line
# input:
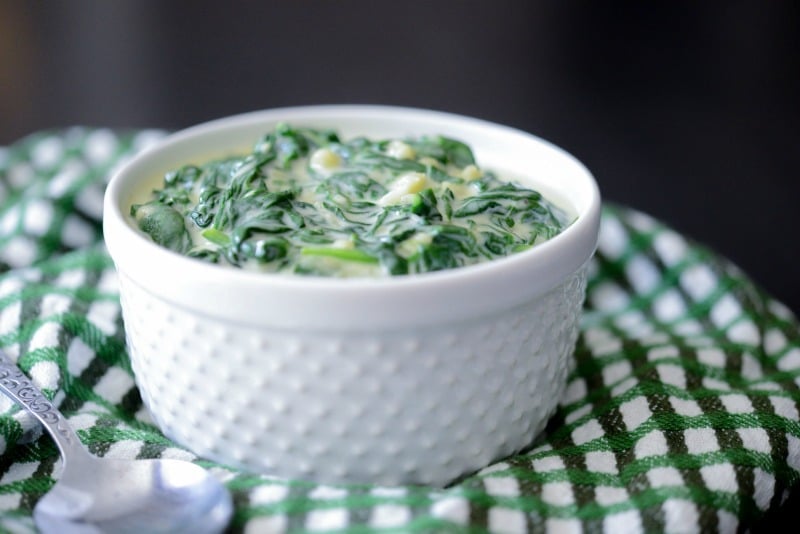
<point x="688" y="114"/>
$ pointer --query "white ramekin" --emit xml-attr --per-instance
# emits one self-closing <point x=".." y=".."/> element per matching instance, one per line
<point x="406" y="380"/>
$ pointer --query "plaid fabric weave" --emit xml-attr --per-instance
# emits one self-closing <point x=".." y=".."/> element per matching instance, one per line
<point x="681" y="414"/>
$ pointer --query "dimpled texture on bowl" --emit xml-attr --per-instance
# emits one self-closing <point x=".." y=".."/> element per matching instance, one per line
<point x="383" y="407"/>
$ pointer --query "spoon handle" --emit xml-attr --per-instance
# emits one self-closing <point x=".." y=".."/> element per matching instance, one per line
<point x="17" y="386"/>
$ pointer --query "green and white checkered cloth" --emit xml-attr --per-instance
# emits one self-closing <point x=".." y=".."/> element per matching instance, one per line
<point x="681" y="414"/>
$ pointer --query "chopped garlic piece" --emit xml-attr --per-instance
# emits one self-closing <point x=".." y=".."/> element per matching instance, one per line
<point x="471" y="172"/>
<point x="344" y="243"/>
<point x="403" y="188"/>
<point x="325" y="160"/>
<point x="409" y="247"/>
<point x="400" y="150"/>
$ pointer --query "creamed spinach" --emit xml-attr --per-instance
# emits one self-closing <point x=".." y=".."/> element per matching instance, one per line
<point x="305" y="201"/>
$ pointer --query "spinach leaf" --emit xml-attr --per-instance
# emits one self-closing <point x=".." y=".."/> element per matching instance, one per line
<point x="163" y="224"/>
<point x="351" y="185"/>
<point x="444" y="149"/>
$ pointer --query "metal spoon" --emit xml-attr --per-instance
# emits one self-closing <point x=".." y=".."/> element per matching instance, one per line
<point x="95" y="495"/>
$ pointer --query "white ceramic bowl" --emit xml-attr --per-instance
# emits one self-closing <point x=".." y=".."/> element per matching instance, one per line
<point x="406" y="380"/>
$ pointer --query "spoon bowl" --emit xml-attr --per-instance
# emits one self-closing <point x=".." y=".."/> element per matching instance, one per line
<point x="96" y="495"/>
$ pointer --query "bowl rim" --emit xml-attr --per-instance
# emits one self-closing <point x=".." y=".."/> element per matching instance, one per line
<point x="552" y="261"/>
